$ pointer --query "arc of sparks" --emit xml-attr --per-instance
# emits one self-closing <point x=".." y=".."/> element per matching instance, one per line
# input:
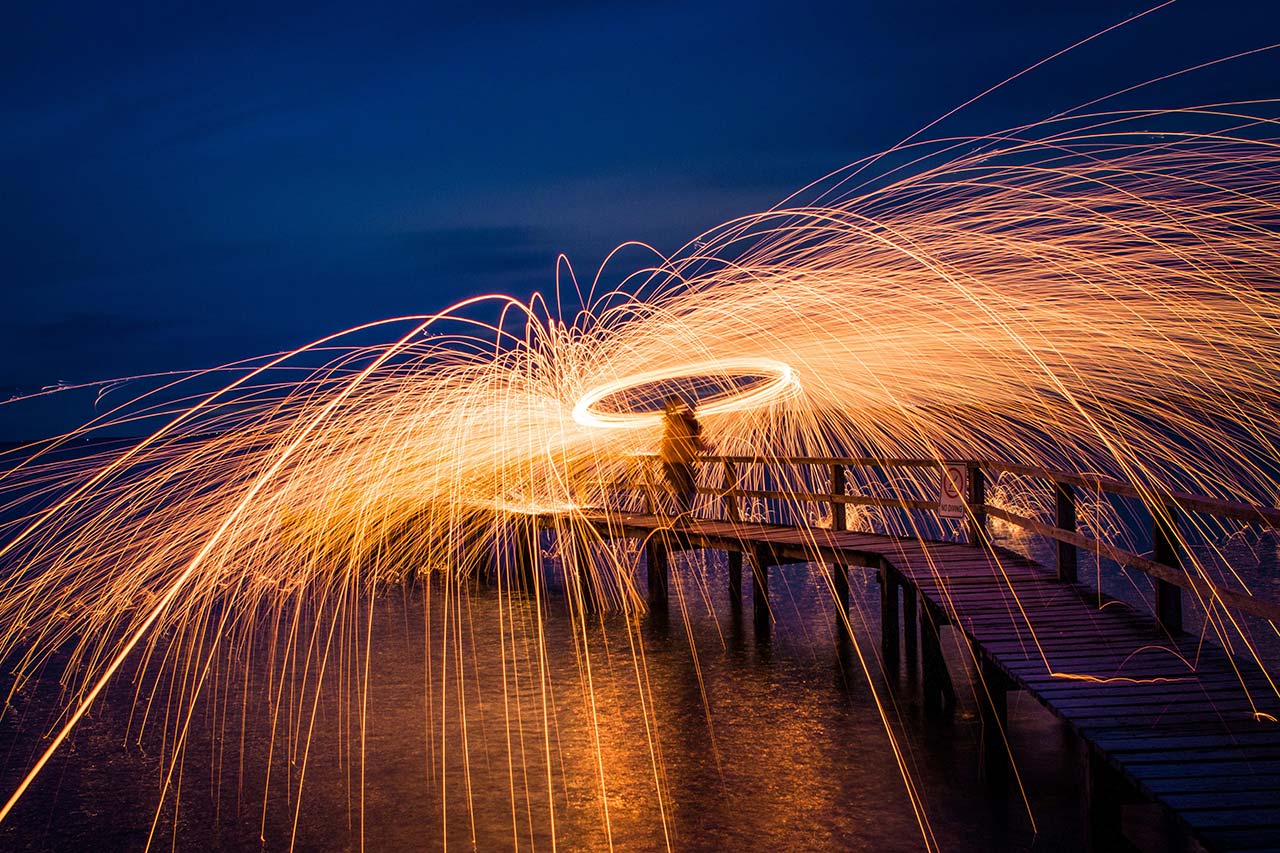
<point x="769" y="380"/>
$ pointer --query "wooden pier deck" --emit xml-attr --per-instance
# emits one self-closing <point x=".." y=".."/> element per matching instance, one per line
<point x="1161" y="716"/>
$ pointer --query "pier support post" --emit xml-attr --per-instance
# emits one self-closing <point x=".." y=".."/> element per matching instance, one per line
<point x="1105" y="794"/>
<point x="1164" y="540"/>
<point x="889" y="585"/>
<point x="910" y="627"/>
<point x="733" y="513"/>
<point x="840" y="587"/>
<point x="939" y="694"/>
<point x="658" y="570"/>
<point x="761" y="616"/>
<point x="839" y="523"/>
<point x="735" y="579"/>
<point x="475" y="548"/>
<point x="580" y="567"/>
<point x="491" y="551"/>
<point x="1065" y="519"/>
<point x="994" y="710"/>
<point x="526" y="553"/>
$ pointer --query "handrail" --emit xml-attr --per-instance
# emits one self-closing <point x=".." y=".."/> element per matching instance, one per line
<point x="820" y="497"/>
<point x="1168" y="574"/>
<point x="1237" y="510"/>
<point x="858" y="461"/>
<point x="1165" y="502"/>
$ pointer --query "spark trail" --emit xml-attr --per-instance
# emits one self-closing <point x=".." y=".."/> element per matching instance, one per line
<point x="1095" y="293"/>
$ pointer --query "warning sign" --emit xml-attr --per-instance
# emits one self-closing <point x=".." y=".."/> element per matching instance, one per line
<point x="955" y="485"/>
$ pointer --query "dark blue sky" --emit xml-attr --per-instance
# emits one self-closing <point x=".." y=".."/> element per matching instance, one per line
<point x="183" y="185"/>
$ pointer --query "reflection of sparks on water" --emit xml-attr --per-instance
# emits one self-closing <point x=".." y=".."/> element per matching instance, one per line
<point x="1062" y="297"/>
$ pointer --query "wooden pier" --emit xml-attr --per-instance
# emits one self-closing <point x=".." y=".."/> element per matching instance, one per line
<point x="1161" y="715"/>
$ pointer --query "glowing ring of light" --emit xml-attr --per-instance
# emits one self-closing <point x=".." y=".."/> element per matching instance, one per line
<point x="779" y="380"/>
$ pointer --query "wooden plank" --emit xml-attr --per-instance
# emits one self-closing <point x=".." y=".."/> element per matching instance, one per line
<point x="1224" y="692"/>
<point x="1189" y="784"/>
<point x="1077" y="697"/>
<point x="985" y="603"/>
<point x="1220" y="801"/>
<point x="1094" y="724"/>
<point x="1203" y="769"/>
<point x="1031" y="660"/>
<point x="1024" y="621"/>
<point x="1159" y="700"/>
<point x="982" y="607"/>
<point x="1253" y="840"/>
<point x="1033" y="671"/>
<point x="1028" y="577"/>
<point x="1173" y="729"/>
<point x="1204" y="759"/>
<point x="978" y="587"/>
<point x="1211" y="682"/>
<point x="1063" y="648"/>
<point x="1235" y="818"/>
<point x="1222" y="706"/>
<point x="992" y="600"/>
<point x="1118" y="746"/>
<point x="1211" y="778"/>
<point x="987" y="593"/>
<point x="1110" y="666"/>
<point x="976" y="572"/>
<point x="1106" y="722"/>
<point x="1064" y="624"/>
<point x="1072" y="646"/>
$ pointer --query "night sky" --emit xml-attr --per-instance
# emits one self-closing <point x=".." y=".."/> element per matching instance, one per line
<point x="184" y="185"/>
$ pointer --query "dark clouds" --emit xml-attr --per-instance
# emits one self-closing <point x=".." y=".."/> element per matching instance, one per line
<point x="186" y="184"/>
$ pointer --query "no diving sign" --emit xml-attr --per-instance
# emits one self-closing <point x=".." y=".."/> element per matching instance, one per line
<point x="955" y="485"/>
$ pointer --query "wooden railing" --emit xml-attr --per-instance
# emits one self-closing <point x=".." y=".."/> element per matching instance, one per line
<point x="1164" y="566"/>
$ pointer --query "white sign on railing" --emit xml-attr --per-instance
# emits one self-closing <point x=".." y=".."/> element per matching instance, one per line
<point x="951" y="496"/>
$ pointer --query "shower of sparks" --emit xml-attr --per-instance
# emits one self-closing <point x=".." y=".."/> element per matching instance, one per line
<point x="1099" y="294"/>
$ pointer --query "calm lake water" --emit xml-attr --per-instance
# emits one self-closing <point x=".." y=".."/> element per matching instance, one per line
<point x="703" y="739"/>
<point x="487" y="728"/>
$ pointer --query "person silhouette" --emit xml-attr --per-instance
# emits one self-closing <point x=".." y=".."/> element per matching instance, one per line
<point x="681" y="443"/>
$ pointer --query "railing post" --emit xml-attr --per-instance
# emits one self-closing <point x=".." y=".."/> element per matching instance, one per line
<point x="839" y="572"/>
<point x="839" y="520"/>
<point x="528" y="554"/>
<point x="1065" y="519"/>
<point x="732" y="511"/>
<point x="1164" y="547"/>
<point x="977" y="505"/>
<point x="647" y="487"/>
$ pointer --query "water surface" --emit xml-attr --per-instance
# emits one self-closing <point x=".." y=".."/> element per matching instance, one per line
<point x="692" y="733"/>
